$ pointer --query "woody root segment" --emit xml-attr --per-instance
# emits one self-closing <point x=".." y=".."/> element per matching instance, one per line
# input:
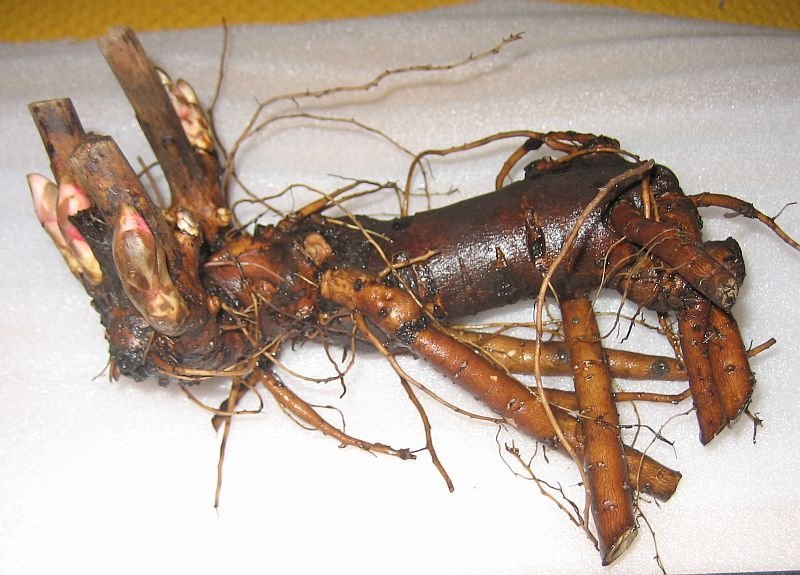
<point x="186" y="293"/>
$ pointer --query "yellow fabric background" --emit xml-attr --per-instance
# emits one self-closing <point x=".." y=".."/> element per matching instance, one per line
<point x="81" y="19"/>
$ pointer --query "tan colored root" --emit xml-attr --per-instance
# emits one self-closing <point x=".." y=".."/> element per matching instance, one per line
<point x="637" y="172"/>
<point x="694" y="319"/>
<point x="761" y="347"/>
<point x="603" y="455"/>
<point x="391" y="309"/>
<point x="517" y="356"/>
<point x="726" y="352"/>
<point x="692" y="327"/>
<point x="651" y="397"/>
<point x="728" y="357"/>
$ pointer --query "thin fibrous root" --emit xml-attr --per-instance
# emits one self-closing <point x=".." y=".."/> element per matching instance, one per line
<point x="233" y="398"/>
<point x="292" y="403"/>
<point x="373" y="339"/>
<point x="255" y="124"/>
<point x="746" y="209"/>
<point x="754" y="351"/>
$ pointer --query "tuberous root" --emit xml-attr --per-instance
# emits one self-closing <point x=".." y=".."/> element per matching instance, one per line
<point x="397" y="315"/>
<point x="679" y="251"/>
<point x="603" y="453"/>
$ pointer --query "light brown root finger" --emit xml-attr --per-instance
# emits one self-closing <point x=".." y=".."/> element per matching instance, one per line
<point x="517" y="356"/>
<point x="726" y="352"/>
<point x="653" y="397"/>
<point x="397" y="315"/>
<point x="566" y="400"/>
<point x="728" y="358"/>
<point x="647" y="475"/>
<point x="292" y="403"/>
<point x="746" y="209"/>
<point x="693" y="323"/>
<point x="679" y="251"/>
<point x="603" y="457"/>
<point x="640" y="171"/>
<point x="694" y="315"/>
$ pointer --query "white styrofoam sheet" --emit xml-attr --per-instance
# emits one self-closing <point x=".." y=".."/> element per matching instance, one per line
<point x="119" y="477"/>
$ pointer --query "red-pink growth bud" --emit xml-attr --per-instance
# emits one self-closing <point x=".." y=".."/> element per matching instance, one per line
<point x="186" y="104"/>
<point x="45" y="197"/>
<point x="71" y="200"/>
<point x="142" y="266"/>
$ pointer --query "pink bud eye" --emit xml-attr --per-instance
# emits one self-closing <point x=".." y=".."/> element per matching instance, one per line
<point x="71" y="200"/>
<point x="139" y="260"/>
<point x="142" y="267"/>
<point x="45" y="196"/>
<point x="134" y="251"/>
<point x="54" y="205"/>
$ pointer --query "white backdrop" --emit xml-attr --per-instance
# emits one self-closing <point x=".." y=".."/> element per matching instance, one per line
<point x="119" y="477"/>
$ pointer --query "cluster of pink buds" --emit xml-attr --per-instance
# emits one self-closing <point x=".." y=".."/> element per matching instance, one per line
<point x="193" y="120"/>
<point x="142" y="265"/>
<point x="54" y="206"/>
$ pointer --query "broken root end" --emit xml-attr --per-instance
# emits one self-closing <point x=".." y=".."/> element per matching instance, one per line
<point x="618" y="547"/>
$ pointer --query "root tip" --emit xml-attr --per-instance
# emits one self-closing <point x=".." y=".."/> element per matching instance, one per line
<point x="618" y="547"/>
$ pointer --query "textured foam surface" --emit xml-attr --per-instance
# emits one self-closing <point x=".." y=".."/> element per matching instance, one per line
<point x="120" y="476"/>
